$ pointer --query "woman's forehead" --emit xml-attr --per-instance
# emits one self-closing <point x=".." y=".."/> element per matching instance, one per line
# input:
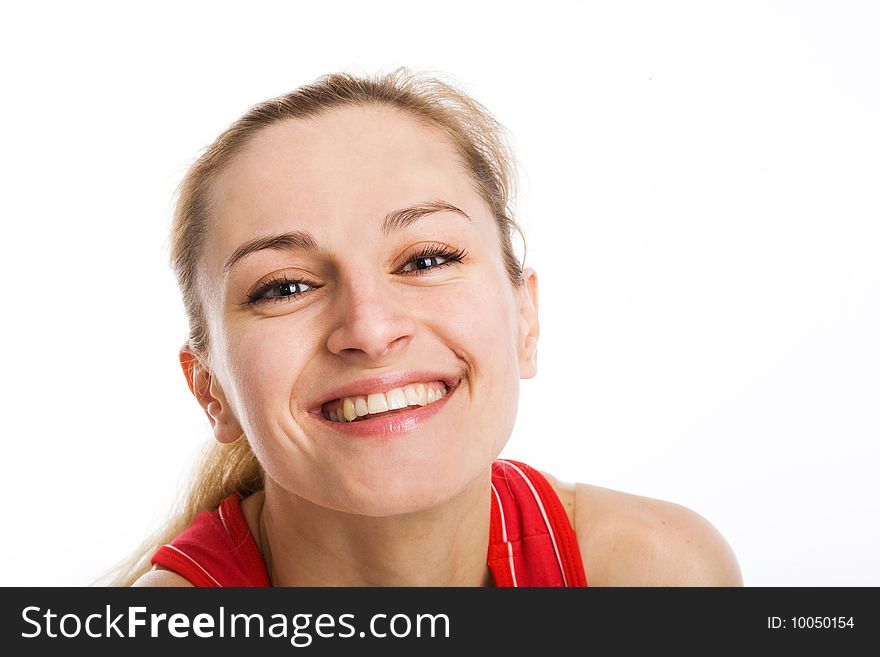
<point x="346" y="165"/>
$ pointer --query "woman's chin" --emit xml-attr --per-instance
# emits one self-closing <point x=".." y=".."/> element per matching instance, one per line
<point x="414" y="492"/>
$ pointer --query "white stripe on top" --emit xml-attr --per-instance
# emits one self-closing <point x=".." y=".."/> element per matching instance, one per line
<point x="504" y="535"/>
<point x="223" y="520"/>
<point x="179" y="551"/>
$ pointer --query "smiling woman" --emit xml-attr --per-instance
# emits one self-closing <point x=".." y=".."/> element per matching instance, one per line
<point x="359" y="324"/>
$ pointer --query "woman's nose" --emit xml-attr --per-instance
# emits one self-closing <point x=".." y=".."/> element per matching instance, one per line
<point x="371" y="323"/>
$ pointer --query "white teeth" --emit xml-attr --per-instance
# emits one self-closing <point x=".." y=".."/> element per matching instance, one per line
<point x="412" y="394"/>
<point x="396" y="399"/>
<point x="348" y="411"/>
<point x="417" y="394"/>
<point x="377" y="403"/>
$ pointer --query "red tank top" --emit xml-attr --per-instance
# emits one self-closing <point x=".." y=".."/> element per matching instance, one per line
<point x="531" y="542"/>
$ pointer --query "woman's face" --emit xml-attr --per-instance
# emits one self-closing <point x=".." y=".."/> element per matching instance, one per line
<point x="351" y="263"/>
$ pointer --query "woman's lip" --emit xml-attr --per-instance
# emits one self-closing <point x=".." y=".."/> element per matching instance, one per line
<point x="385" y="383"/>
<point x="403" y="421"/>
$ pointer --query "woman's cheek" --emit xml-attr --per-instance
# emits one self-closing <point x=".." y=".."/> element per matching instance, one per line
<point x="265" y="360"/>
<point x="479" y="323"/>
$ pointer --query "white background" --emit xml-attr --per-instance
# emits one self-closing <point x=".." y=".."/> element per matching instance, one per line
<point x="699" y="191"/>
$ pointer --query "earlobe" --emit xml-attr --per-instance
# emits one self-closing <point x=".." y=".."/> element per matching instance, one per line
<point x="207" y="391"/>
<point x="528" y="325"/>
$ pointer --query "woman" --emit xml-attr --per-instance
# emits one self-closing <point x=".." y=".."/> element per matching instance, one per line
<point x="359" y="325"/>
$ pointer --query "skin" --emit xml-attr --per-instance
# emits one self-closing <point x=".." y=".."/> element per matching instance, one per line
<point x="389" y="510"/>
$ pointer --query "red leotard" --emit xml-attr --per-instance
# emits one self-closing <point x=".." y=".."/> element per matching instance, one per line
<point x="531" y="542"/>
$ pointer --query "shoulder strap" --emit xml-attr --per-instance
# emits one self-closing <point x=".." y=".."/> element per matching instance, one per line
<point x="531" y="541"/>
<point x="217" y="549"/>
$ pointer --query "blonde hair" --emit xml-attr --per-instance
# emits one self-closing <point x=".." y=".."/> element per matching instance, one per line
<point x="477" y="137"/>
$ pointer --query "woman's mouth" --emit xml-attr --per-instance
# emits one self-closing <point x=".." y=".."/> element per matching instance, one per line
<point x="389" y="402"/>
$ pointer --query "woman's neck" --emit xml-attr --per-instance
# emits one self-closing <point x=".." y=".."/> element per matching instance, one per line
<point x="304" y="544"/>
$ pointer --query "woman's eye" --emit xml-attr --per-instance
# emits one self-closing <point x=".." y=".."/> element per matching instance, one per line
<point x="282" y="290"/>
<point x="285" y="290"/>
<point x="424" y="262"/>
<point x="432" y="258"/>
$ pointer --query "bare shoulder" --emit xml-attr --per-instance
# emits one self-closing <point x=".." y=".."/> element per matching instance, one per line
<point x="161" y="577"/>
<point x="630" y="540"/>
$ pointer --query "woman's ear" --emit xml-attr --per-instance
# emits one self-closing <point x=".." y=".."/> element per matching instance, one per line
<point x="207" y="391"/>
<point x="528" y="324"/>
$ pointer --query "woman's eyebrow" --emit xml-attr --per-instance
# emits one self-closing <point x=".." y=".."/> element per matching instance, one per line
<point x="400" y="219"/>
<point x="295" y="240"/>
<point x="301" y="240"/>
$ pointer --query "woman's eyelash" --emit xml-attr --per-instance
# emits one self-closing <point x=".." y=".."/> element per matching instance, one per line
<point x="434" y="251"/>
<point x="292" y="287"/>
<point x="293" y="290"/>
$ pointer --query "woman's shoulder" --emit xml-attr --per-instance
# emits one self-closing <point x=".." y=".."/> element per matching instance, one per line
<point x="630" y="540"/>
<point x="160" y="577"/>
